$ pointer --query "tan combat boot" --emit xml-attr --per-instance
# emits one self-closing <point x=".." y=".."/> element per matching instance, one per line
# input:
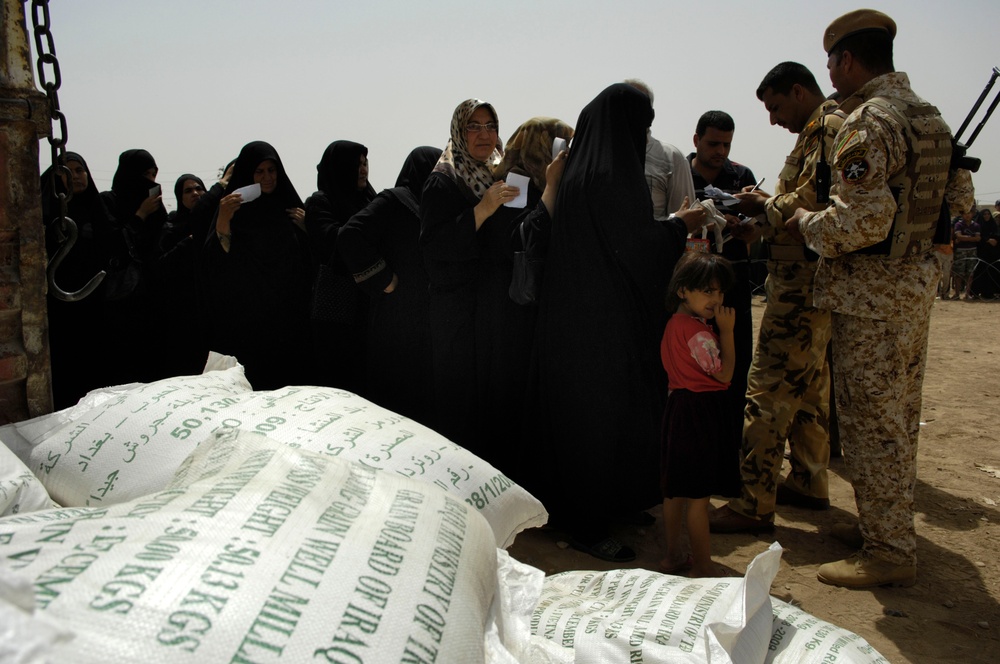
<point x="862" y="571"/>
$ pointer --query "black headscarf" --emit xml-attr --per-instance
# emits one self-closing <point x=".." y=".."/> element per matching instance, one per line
<point x="604" y="192"/>
<point x="131" y="187"/>
<point x="93" y="222"/>
<point x="263" y="225"/>
<point x="81" y="204"/>
<point x="337" y="177"/>
<point x="179" y="190"/>
<point x="417" y="168"/>
<point x="249" y="159"/>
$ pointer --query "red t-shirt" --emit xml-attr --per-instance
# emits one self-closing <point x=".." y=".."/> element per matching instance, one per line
<point x="690" y="354"/>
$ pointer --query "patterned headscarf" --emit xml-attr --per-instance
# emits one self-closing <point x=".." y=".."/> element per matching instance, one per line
<point x="457" y="163"/>
<point x="529" y="150"/>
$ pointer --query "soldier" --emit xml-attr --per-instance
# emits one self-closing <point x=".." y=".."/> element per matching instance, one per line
<point x="788" y="391"/>
<point x="878" y="275"/>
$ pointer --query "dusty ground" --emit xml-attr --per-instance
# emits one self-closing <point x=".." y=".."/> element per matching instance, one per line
<point x="953" y="613"/>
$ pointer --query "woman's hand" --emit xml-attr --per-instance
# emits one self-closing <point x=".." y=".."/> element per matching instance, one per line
<point x="693" y="217"/>
<point x="553" y="176"/>
<point x="149" y="206"/>
<point x="227" y="208"/>
<point x="298" y="217"/>
<point x="224" y="181"/>
<point x="392" y="284"/>
<point x="498" y="194"/>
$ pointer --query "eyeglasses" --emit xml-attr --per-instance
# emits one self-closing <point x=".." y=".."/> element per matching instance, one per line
<point x="475" y="127"/>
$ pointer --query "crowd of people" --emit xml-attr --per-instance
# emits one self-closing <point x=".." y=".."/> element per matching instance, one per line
<point x="403" y="297"/>
<point x="971" y="263"/>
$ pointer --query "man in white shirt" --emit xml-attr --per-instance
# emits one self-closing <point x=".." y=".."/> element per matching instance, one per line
<point x="667" y="172"/>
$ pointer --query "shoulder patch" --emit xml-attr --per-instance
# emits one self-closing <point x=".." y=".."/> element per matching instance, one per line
<point x="845" y="144"/>
<point x="853" y="165"/>
<point x="811" y="146"/>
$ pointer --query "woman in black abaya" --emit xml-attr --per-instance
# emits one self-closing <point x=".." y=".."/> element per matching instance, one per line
<point x="986" y="277"/>
<point x="258" y="273"/>
<point x="78" y="340"/>
<point x="339" y="328"/>
<point x="379" y="246"/>
<point x="135" y="201"/>
<point x="600" y="318"/>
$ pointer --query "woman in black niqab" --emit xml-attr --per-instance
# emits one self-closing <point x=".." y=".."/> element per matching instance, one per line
<point x="133" y="205"/>
<point x="599" y="322"/>
<point x="339" y="340"/>
<point x="257" y="275"/>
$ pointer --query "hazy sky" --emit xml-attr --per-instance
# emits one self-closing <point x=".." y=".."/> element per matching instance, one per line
<point x="193" y="81"/>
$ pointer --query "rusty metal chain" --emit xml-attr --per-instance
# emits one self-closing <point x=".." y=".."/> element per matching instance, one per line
<point x="46" y="48"/>
<point x="67" y="228"/>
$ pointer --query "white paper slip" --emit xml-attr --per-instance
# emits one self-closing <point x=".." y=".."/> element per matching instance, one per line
<point x="251" y="192"/>
<point x="521" y="182"/>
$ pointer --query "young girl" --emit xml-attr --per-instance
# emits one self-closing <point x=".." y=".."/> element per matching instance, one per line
<point x="700" y="452"/>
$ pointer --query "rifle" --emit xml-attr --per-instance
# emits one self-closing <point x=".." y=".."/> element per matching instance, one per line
<point x="959" y="159"/>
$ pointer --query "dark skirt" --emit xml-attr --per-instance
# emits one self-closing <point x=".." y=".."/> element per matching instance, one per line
<point x="700" y="447"/>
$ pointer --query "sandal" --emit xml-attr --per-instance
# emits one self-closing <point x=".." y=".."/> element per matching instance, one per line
<point x="608" y="549"/>
<point x="677" y="567"/>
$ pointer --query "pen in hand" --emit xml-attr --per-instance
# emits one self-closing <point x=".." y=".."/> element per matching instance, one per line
<point x="760" y="182"/>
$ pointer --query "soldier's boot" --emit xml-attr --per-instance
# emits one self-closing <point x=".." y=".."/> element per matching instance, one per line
<point x="864" y="571"/>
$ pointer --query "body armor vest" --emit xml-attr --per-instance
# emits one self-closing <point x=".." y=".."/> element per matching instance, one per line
<point x="919" y="187"/>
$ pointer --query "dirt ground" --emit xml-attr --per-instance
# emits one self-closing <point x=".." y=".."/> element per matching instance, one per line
<point x="953" y="613"/>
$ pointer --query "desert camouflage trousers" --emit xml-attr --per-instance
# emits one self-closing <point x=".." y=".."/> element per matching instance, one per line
<point x="788" y="394"/>
<point x="878" y="382"/>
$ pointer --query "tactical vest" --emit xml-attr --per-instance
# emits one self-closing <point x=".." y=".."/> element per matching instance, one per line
<point x="919" y="187"/>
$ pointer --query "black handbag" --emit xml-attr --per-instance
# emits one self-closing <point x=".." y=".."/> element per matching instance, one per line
<point x="526" y="280"/>
<point x="335" y="297"/>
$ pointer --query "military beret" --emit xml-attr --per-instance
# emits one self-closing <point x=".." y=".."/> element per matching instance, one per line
<point x="851" y="23"/>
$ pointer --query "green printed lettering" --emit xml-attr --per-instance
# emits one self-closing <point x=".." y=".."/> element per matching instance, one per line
<point x="416" y="652"/>
<point x="24" y="558"/>
<point x="56" y="532"/>
<point x="116" y="595"/>
<point x="364" y="620"/>
<point x="197" y="597"/>
<point x="374" y="590"/>
<point x="184" y="624"/>
<point x="431" y="621"/>
<point x="314" y="556"/>
<point x="339" y="655"/>
<point x="47" y="585"/>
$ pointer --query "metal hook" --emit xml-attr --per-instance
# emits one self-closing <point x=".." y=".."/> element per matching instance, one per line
<point x="69" y="229"/>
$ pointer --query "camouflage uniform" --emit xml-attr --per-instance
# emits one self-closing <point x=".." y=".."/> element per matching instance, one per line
<point x="788" y="391"/>
<point x="881" y="308"/>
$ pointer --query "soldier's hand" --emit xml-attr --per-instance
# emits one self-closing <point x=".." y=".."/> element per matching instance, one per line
<point x="792" y="224"/>
<point x="751" y="203"/>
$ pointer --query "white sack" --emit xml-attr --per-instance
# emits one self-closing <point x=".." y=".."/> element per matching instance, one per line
<point x="260" y="552"/>
<point x="800" y="638"/>
<point x="122" y="443"/>
<point x="635" y="615"/>
<point x="20" y="491"/>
